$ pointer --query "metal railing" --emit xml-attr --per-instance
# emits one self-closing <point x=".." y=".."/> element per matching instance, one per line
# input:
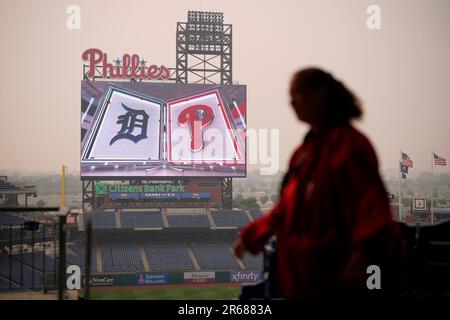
<point x="20" y="239"/>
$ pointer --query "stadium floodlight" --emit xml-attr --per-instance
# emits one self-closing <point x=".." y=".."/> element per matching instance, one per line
<point x="203" y="17"/>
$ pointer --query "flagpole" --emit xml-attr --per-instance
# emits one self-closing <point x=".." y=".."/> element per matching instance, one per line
<point x="432" y="187"/>
<point x="400" y="189"/>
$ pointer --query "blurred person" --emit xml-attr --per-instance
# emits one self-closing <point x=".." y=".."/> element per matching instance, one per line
<point x="333" y="217"/>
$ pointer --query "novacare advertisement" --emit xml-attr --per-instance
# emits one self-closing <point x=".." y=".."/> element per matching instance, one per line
<point x="99" y="281"/>
<point x="245" y="276"/>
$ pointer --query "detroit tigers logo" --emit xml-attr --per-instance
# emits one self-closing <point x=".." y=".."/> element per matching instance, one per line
<point x="131" y="120"/>
<point x="196" y="118"/>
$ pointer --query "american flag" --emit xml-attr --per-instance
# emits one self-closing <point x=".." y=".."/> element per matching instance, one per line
<point x="403" y="170"/>
<point x="439" y="161"/>
<point x="406" y="160"/>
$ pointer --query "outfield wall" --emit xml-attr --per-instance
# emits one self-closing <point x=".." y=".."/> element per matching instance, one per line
<point x="161" y="278"/>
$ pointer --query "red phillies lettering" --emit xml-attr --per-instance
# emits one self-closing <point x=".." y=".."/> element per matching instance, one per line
<point x="196" y="118"/>
<point x="135" y="66"/>
<point x="130" y="68"/>
<point x="94" y="56"/>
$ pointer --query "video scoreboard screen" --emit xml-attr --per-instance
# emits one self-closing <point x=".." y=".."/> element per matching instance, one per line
<point x="162" y="130"/>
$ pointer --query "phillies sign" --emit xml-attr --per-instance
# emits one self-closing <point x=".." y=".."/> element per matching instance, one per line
<point x="131" y="66"/>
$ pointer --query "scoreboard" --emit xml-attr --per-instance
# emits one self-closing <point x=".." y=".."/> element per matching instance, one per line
<point x="162" y="130"/>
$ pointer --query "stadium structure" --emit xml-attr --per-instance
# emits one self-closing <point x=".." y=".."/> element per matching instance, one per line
<point x="162" y="228"/>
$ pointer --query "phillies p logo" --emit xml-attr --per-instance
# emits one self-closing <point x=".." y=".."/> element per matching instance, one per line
<point x="196" y="118"/>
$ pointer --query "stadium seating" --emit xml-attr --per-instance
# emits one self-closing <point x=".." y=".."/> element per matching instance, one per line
<point x="121" y="258"/>
<point x="79" y="256"/>
<point x="19" y="235"/>
<point x="141" y="219"/>
<point x="4" y="185"/>
<point x="256" y="213"/>
<point x="78" y="248"/>
<point x="103" y="220"/>
<point x="188" y="221"/>
<point x="214" y="256"/>
<point x="428" y="264"/>
<point x="4" y="284"/>
<point x="50" y="263"/>
<point x="167" y="257"/>
<point x="24" y="278"/>
<point x="230" y="218"/>
<point x="10" y="218"/>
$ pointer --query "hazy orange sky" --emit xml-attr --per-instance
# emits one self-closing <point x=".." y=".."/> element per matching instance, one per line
<point x="401" y="72"/>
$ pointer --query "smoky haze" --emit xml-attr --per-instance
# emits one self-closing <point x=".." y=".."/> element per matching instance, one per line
<point x="401" y="72"/>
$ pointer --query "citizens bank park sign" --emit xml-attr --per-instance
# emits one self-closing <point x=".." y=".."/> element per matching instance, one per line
<point x="103" y="188"/>
<point x="147" y="191"/>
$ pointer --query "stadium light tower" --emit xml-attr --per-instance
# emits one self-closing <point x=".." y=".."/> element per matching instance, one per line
<point x="204" y="55"/>
<point x="204" y="51"/>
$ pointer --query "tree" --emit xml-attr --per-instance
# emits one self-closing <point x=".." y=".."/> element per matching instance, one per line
<point x="251" y="203"/>
<point x="40" y="203"/>
<point x="246" y="203"/>
<point x="407" y="202"/>
<point x="239" y="198"/>
<point x="263" y="199"/>
<point x="274" y="197"/>
<point x="425" y="177"/>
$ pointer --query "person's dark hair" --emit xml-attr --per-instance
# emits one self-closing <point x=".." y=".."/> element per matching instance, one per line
<point x="341" y="105"/>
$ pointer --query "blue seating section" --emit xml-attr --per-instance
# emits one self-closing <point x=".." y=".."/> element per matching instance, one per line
<point x="103" y="220"/>
<point x="126" y="257"/>
<point x="168" y="257"/>
<point x="16" y="268"/>
<point x="230" y="218"/>
<point x="256" y="213"/>
<point x="188" y="221"/>
<point x="50" y="263"/>
<point x="4" y="185"/>
<point x="141" y="219"/>
<point x="10" y="218"/>
<point x="153" y="219"/>
<point x="214" y="256"/>
<point x="4" y="284"/>
<point x="121" y="258"/>
<point x="19" y="235"/>
<point x="78" y="257"/>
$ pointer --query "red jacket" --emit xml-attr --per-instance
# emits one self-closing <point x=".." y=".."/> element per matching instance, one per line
<point x="334" y="209"/>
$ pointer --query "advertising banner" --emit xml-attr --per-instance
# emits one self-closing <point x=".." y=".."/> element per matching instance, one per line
<point x="199" y="277"/>
<point x="245" y="276"/>
<point x="152" y="278"/>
